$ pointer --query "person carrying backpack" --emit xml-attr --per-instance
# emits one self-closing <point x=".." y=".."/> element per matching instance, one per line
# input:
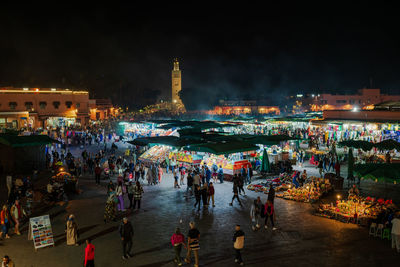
<point x="238" y="244"/>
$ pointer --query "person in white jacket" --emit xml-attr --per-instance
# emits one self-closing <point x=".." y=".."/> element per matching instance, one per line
<point x="17" y="212"/>
<point x="254" y="215"/>
<point x="396" y="232"/>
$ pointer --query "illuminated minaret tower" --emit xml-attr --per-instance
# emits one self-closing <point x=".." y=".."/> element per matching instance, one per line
<point x="176" y="85"/>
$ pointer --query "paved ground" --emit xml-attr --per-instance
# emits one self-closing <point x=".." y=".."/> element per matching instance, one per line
<point x="301" y="239"/>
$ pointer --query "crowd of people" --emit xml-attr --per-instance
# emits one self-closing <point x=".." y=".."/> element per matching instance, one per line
<point x="124" y="177"/>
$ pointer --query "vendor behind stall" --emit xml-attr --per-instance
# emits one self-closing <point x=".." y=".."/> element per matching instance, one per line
<point x="354" y="191"/>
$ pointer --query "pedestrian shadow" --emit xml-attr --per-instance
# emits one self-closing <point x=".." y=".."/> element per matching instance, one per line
<point x="103" y="232"/>
<point x="80" y="232"/>
<point x="156" y="264"/>
<point x="158" y="248"/>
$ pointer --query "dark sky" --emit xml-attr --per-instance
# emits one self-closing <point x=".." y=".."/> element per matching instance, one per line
<point x="118" y="54"/>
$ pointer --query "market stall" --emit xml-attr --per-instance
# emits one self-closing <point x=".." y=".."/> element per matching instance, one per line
<point x="309" y="192"/>
<point x="356" y="209"/>
<point x="69" y="181"/>
<point x="280" y="183"/>
<point x="155" y="154"/>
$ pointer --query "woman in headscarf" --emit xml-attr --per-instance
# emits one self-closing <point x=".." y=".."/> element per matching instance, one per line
<point x="110" y="210"/>
<point x="72" y="231"/>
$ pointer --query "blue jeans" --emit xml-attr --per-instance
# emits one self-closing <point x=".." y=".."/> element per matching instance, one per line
<point x="221" y="178"/>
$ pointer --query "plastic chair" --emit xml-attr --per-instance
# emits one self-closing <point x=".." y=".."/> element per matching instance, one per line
<point x="372" y="229"/>
<point x="379" y="231"/>
<point x="386" y="233"/>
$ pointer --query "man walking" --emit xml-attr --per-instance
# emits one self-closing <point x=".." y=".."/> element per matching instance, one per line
<point x="271" y="194"/>
<point x="197" y="195"/>
<point x="221" y="174"/>
<point x="235" y="194"/>
<point x="238" y="244"/>
<point x="97" y="173"/>
<point x="126" y="233"/>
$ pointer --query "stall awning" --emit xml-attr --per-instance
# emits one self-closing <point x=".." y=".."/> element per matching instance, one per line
<point x="364" y="145"/>
<point x="388" y="144"/>
<point x="222" y="148"/>
<point x="162" y="140"/>
<point x="267" y="139"/>
<point x="386" y="172"/>
<point x="28" y="140"/>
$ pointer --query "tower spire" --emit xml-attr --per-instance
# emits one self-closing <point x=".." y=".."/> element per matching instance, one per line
<point x="176" y="85"/>
<point x="176" y="64"/>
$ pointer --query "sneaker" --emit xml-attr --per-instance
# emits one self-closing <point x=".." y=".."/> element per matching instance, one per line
<point x="180" y="264"/>
<point x="266" y="227"/>
<point x="213" y="205"/>
<point x="236" y="260"/>
<point x="230" y="204"/>
<point x="274" y="228"/>
<point x="242" y="263"/>
<point x="124" y="258"/>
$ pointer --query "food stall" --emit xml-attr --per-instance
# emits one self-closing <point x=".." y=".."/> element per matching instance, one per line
<point x="231" y="165"/>
<point x="69" y="181"/>
<point x="356" y="209"/>
<point x="280" y="183"/>
<point x="309" y="192"/>
<point x="155" y="154"/>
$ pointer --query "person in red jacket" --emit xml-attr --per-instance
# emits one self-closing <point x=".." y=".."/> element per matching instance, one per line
<point x="269" y="212"/>
<point x="211" y="193"/>
<point x="89" y="254"/>
<point x="337" y="168"/>
<point x="177" y="241"/>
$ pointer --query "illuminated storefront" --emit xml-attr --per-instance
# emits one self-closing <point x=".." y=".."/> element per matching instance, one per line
<point x="42" y="107"/>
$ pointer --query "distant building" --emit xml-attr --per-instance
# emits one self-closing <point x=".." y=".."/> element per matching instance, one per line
<point x="242" y="107"/>
<point x="42" y="107"/>
<point x="101" y="109"/>
<point x="301" y="103"/>
<point x="176" y="78"/>
<point x="364" y="99"/>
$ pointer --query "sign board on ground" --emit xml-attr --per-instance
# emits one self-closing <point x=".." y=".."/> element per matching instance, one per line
<point x="40" y="231"/>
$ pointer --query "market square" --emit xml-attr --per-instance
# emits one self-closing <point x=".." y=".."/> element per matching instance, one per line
<point x="204" y="141"/>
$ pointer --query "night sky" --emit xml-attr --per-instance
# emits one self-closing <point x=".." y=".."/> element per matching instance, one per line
<point x="115" y="53"/>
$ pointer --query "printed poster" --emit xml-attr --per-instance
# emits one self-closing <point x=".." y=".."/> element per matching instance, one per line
<point x="40" y="231"/>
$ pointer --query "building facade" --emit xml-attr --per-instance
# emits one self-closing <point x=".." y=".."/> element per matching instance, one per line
<point x="43" y="107"/>
<point x="101" y="109"/>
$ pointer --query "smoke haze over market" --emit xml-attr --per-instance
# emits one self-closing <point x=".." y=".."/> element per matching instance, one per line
<point x="116" y="54"/>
